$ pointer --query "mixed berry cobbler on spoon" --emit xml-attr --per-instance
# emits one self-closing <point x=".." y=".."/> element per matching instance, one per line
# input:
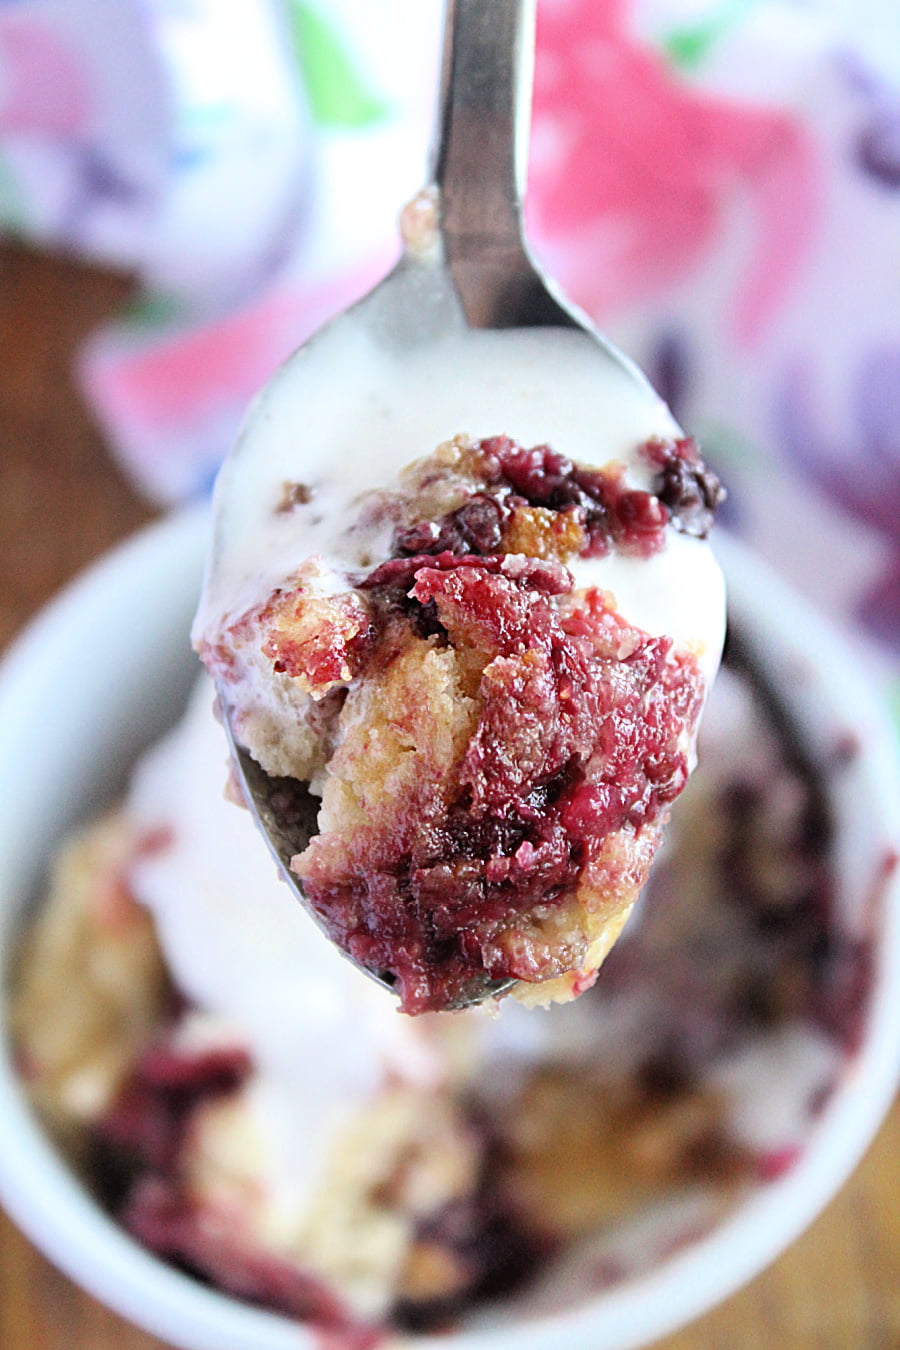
<point x="465" y="597"/>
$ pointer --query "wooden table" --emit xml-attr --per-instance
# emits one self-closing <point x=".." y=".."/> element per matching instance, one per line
<point x="61" y="503"/>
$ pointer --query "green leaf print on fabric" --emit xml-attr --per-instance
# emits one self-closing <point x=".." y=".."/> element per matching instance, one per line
<point x="153" y="309"/>
<point x="687" y="47"/>
<point x="894" y="703"/>
<point x="337" y="90"/>
<point x="13" y="215"/>
<point x="731" y="449"/>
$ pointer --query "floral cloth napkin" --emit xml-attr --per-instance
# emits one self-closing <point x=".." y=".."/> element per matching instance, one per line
<point x="717" y="182"/>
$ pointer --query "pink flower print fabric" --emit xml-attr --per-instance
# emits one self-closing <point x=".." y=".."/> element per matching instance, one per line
<point x="82" y="107"/>
<point x="633" y="171"/>
<point x="46" y="90"/>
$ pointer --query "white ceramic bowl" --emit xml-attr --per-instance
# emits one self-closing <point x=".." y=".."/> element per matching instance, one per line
<point x="107" y="666"/>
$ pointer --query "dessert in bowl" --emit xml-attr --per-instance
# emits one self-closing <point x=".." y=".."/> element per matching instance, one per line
<point x="639" y="1152"/>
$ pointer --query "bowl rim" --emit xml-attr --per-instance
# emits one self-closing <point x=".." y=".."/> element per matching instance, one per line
<point x="50" y="1205"/>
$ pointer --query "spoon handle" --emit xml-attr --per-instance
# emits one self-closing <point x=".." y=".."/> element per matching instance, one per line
<point x="480" y="159"/>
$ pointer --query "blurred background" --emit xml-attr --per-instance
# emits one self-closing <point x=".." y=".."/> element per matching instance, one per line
<point x="188" y="189"/>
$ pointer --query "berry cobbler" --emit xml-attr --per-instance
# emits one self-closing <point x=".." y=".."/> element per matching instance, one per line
<point x="494" y="742"/>
<point x="250" y="1107"/>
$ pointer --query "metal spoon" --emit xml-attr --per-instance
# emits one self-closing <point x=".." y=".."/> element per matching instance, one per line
<point x="474" y="271"/>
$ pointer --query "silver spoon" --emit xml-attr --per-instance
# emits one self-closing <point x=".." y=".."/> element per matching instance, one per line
<point x="473" y="269"/>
